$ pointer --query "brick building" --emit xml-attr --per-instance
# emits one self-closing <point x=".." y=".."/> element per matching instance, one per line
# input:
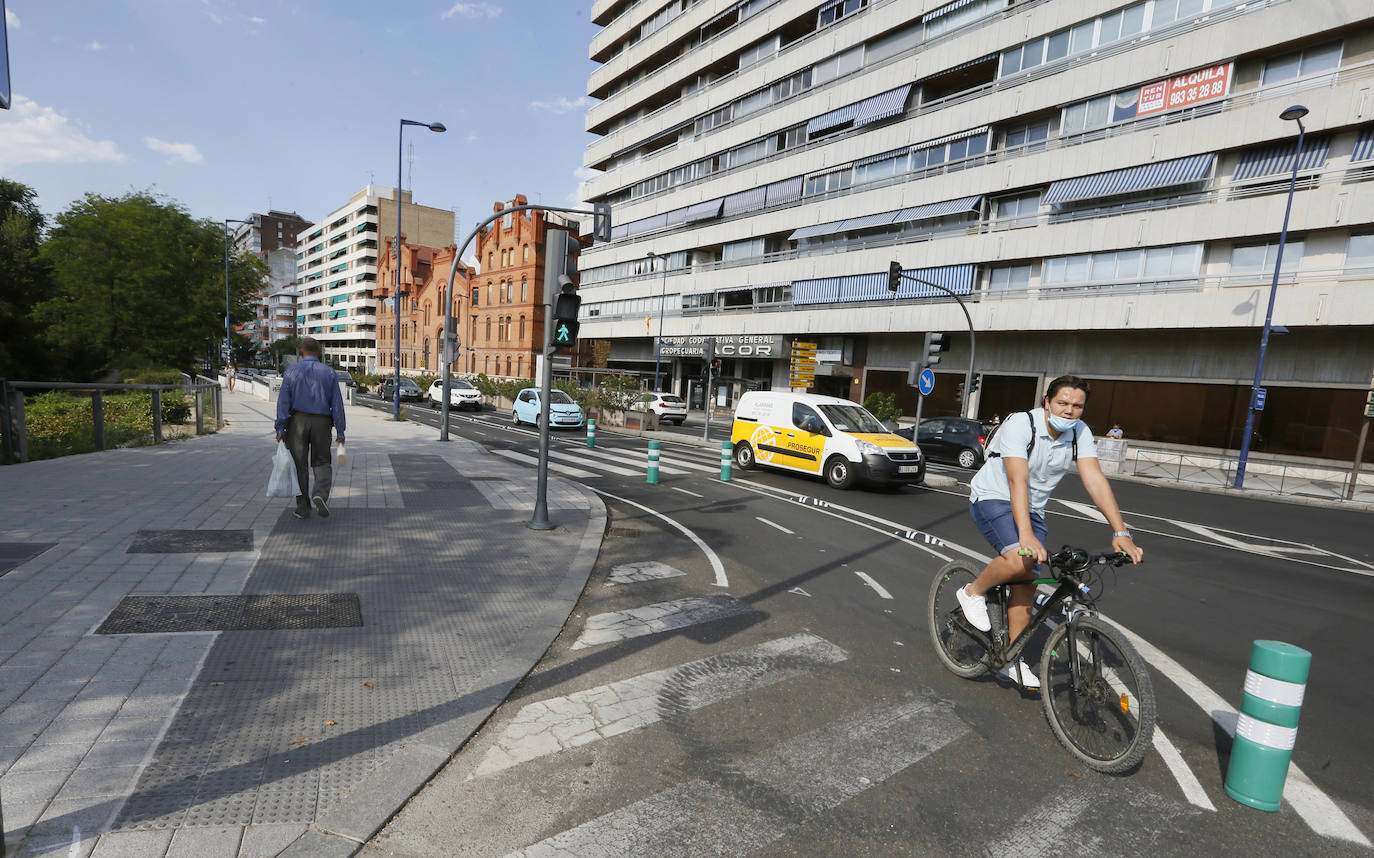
<point x="506" y="309"/>
<point x="424" y="278"/>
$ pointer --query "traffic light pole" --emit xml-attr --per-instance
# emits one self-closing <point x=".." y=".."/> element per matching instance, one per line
<point x="598" y="213"/>
<point x="972" y="343"/>
<point x="555" y="264"/>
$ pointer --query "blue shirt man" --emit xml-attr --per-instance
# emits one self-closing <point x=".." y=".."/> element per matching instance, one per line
<point x="308" y="405"/>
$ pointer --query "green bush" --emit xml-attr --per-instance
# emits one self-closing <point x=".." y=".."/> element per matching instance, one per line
<point x="510" y="388"/>
<point x="152" y="376"/>
<point x="581" y="395"/>
<point x="59" y="424"/>
<point x="617" y="391"/>
<point x="425" y="380"/>
<point x="484" y="384"/>
<point x="365" y="381"/>
<point x="883" y="406"/>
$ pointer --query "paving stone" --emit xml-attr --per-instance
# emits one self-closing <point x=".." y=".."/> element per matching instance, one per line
<point x="50" y="758"/>
<point x="267" y="841"/>
<point x="219" y="842"/>
<point x="132" y="844"/>
<point x="86" y="782"/>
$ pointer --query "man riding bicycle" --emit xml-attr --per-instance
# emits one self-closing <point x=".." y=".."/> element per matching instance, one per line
<point x="1027" y="457"/>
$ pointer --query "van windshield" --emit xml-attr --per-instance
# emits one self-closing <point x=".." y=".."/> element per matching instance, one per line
<point x="853" y="418"/>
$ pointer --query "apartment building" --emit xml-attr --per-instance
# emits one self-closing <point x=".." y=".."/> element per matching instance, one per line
<point x="1101" y="183"/>
<point x="272" y="238"/>
<point x="337" y="269"/>
<point x="424" y="283"/>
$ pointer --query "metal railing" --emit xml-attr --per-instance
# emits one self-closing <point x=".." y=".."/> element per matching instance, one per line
<point x="1218" y="471"/>
<point x="14" y="425"/>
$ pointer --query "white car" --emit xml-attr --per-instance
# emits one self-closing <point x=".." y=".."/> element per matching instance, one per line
<point x="461" y="394"/>
<point x="669" y="407"/>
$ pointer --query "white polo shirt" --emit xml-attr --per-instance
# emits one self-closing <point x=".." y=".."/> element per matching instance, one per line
<point x="1048" y="463"/>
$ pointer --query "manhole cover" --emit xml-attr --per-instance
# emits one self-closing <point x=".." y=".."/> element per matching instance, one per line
<point x="15" y="554"/>
<point x="190" y="541"/>
<point x="153" y="614"/>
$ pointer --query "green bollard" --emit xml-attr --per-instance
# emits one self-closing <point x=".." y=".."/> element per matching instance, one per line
<point x="652" y="477"/>
<point x="591" y="431"/>
<point x="1268" y="724"/>
<point x="725" y="461"/>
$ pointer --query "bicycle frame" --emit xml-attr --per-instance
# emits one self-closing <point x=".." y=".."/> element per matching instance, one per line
<point x="1064" y="593"/>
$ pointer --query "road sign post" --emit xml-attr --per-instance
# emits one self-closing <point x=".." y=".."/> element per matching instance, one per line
<point x="802" y="370"/>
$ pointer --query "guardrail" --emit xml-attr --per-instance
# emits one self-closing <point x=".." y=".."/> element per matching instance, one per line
<point x="1275" y="477"/>
<point x="14" y="427"/>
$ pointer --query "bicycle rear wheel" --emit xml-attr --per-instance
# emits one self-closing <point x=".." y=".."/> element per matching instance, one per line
<point x="1109" y="721"/>
<point x="957" y="651"/>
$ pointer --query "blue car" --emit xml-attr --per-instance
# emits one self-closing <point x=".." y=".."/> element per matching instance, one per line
<point x="563" y="412"/>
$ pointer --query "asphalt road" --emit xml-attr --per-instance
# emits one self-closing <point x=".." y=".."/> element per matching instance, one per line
<point x="801" y="711"/>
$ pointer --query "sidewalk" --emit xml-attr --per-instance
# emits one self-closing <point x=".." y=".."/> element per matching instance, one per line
<point x="295" y="722"/>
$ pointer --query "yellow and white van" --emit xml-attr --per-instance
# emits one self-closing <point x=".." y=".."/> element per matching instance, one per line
<point x="822" y="435"/>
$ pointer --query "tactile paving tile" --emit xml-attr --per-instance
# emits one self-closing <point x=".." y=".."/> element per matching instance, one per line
<point x="15" y="554"/>
<point x="190" y="541"/>
<point x="153" y="614"/>
<point x="435" y="479"/>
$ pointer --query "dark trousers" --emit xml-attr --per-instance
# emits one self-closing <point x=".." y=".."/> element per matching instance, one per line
<point x="308" y="440"/>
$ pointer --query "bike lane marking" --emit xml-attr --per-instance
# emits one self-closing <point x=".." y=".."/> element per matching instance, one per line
<point x="711" y="556"/>
<point x="775" y="524"/>
<point x="877" y="588"/>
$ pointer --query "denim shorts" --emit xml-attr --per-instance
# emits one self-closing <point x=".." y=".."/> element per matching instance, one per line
<point x="998" y="526"/>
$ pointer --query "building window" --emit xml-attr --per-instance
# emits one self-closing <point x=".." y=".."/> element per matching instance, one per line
<point x="522" y="329"/>
<point x="1251" y="259"/>
<point x="837" y="9"/>
<point x="1178" y="261"/>
<point x="1321" y="58"/>
<point x="507" y="366"/>
<point x="526" y="254"/>
<point x="525" y="285"/>
<point x="476" y="291"/>
<point x="1028" y="135"/>
<point x="1359" y="252"/>
<point x="488" y="338"/>
<point x="1009" y="278"/>
<point x="1017" y="207"/>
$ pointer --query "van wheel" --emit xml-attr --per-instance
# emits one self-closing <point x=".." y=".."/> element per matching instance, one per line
<point x="744" y="456"/>
<point x="839" y="473"/>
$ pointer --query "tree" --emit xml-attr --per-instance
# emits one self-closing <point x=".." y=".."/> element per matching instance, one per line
<point x="24" y="281"/>
<point x="137" y="280"/>
<point x="283" y="347"/>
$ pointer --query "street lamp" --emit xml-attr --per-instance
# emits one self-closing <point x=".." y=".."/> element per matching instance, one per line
<point x="1292" y="114"/>
<point x="228" y="338"/>
<point x="396" y="294"/>
<point x="662" y="299"/>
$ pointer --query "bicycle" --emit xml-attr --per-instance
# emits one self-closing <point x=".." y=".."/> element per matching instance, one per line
<point x="1095" y="690"/>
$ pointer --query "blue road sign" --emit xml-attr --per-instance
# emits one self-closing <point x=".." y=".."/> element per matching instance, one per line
<point x="926" y="383"/>
<point x="1260" y="394"/>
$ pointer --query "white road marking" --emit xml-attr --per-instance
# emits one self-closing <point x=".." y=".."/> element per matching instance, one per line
<point x="711" y="556"/>
<point x="800" y="592"/>
<point x="1085" y="509"/>
<point x="648" y="570"/>
<point x="605" y="466"/>
<point x="685" y="492"/>
<point x="549" y="726"/>
<point x="1187" y="781"/>
<point x="1042" y="832"/>
<point x="877" y="588"/>
<point x="685" y="463"/>
<point x="666" y="469"/>
<point x="1317" y="809"/>
<point x="774" y="524"/>
<point x="659" y="617"/>
<point x="803" y="778"/>
<point x="565" y="470"/>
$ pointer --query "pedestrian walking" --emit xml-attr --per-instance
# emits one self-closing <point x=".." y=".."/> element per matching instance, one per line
<point x="231" y="373"/>
<point x="308" y="405"/>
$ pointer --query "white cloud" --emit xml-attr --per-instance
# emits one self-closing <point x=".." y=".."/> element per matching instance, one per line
<point x="32" y="134"/>
<point x="211" y="13"/>
<point x="95" y="46"/>
<point x="561" y="104"/>
<point x="186" y="152"/>
<point x="473" y="10"/>
<point x="581" y="174"/>
<point x="256" y="21"/>
<point x="11" y="20"/>
<point x="472" y="137"/>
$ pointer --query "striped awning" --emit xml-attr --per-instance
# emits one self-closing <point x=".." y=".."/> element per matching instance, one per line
<point x="828" y="5"/>
<point x="647" y="224"/>
<point x="867" y="222"/>
<point x="1143" y="178"/>
<point x="785" y="191"/>
<point x="963" y="204"/>
<point x="1364" y="146"/>
<point x="882" y="106"/>
<point x="956" y="278"/>
<point x="864" y="287"/>
<point x="949" y="138"/>
<point x="825" y="290"/>
<point x="829" y="120"/>
<point x="873" y="287"/>
<point x="745" y="201"/>
<point x="829" y="228"/>
<point x="945" y="10"/>
<point x="973" y="62"/>
<point x="704" y="211"/>
<point x="677" y="216"/>
<point x="882" y="156"/>
<point x="727" y="13"/>
<point x="1279" y="159"/>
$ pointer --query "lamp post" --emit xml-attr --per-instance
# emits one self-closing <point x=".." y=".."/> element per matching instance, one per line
<point x="1292" y="114"/>
<point x="396" y="294"/>
<point x="662" y="299"/>
<point x="228" y="337"/>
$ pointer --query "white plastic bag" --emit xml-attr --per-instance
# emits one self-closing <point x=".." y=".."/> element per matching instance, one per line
<point x="343" y="457"/>
<point x="282" y="483"/>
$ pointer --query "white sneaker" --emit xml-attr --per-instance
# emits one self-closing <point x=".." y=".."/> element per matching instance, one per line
<point x="975" y="609"/>
<point x="1026" y="678"/>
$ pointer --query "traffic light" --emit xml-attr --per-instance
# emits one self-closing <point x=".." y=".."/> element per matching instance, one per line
<point x="601" y="221"/>
<point x="930" y="352"/>
<point x="894" y="276"/>
<point x="715" y="367"/>
<point x="565" y="308"/>
<point x="708" y="356"/>
<point x="974" y="387"/>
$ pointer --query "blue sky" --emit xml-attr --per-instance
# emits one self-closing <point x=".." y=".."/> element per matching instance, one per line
<point x="234" y="106"/>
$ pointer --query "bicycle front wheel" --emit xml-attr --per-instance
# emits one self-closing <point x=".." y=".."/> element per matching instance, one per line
<point x="957" y="651"/>
<point x="1108" y="721"/>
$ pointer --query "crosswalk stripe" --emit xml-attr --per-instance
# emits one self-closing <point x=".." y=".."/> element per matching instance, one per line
<point x="560" y="723"/>
<point x="683" y="463"/>
<point x="803" y="778"/>
<point x="626" y="459"/>
<point x="565" y="470"/>
<point x="659" y="617"/>
<point x="605" y="466"/>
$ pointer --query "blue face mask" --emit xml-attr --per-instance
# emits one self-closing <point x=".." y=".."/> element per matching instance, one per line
<point x="1060" y="424"/>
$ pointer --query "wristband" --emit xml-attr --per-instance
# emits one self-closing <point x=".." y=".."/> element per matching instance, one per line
<point x="1125" y="533"/>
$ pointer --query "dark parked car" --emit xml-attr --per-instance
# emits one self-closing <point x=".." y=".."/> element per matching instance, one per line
<point x="409" y="389"/>
<point x="951" y="439"/>
<point x="345" y="378"/>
